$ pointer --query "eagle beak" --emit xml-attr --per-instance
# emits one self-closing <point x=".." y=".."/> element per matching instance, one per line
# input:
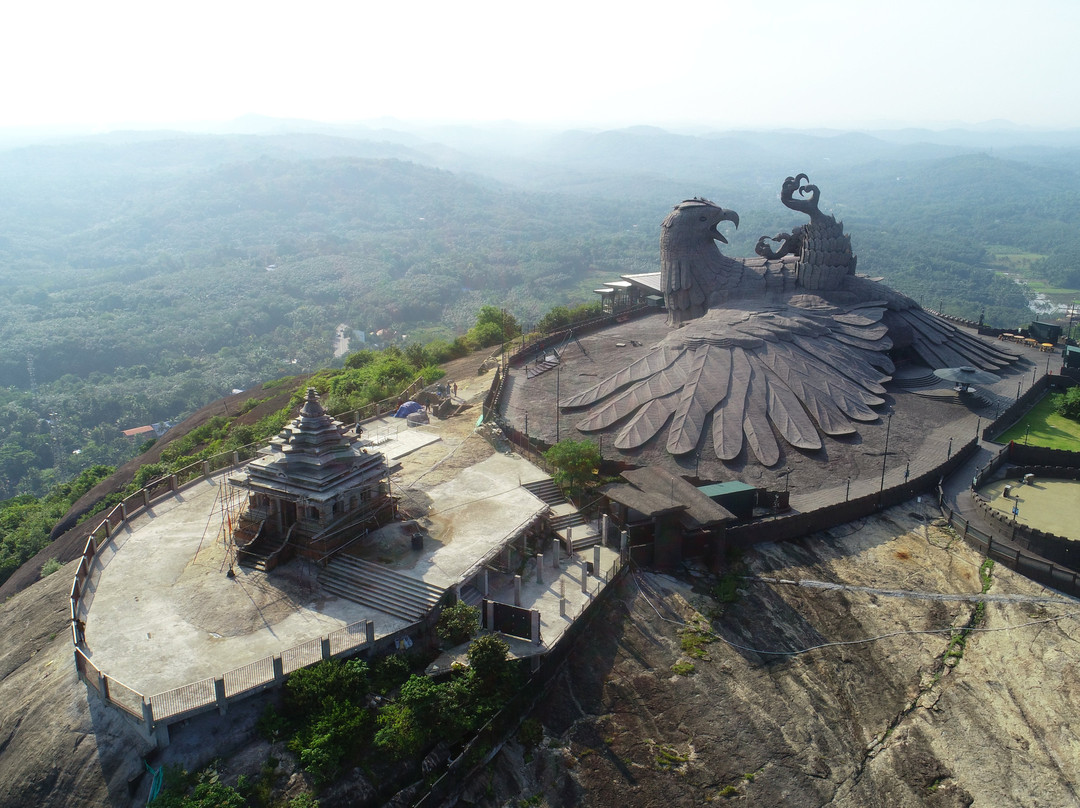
<point x="725" y="216"/>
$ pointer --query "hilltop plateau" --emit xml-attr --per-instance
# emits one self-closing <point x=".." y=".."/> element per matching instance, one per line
<point x="892" y="708"/>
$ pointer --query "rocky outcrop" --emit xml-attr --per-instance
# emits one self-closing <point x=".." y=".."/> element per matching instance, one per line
<point x="880" y="714"/>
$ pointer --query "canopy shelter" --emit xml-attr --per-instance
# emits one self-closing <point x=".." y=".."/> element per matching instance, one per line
<point x="965" y="376"/>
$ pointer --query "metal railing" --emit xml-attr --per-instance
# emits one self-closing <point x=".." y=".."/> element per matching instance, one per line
<point x="213" y="692"/>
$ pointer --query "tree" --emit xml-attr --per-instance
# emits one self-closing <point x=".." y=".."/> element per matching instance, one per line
<point x="1067" y="404"/>
<point x="493" y="325"/>
<point x="576" y="463"/>
<point x="487" y="657"/>
<point x="458" y="623"/>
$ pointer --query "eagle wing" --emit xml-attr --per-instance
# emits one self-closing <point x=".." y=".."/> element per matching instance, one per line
<point x="783" y="371"/>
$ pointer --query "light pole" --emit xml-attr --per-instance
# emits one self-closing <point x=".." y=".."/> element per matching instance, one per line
<point x="885" y="454"/>
<point x="558" y="374"/>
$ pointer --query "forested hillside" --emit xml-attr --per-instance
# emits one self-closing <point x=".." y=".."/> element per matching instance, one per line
<point x="143" y="275"/>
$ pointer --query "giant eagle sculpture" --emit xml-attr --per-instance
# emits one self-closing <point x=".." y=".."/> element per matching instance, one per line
<point x="791" y="343"/>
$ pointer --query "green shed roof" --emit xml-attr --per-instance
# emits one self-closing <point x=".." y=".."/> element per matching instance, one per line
<point x="719" y="489"/>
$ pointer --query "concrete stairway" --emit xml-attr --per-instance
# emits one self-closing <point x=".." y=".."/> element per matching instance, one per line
<point x="549" y="362"/>
<point x="546" y="491"/>
<point x="471" y="595"/>
<point x="916" y="382"/>
<point x="563" y="514"/>
<point x="380" y="588"/>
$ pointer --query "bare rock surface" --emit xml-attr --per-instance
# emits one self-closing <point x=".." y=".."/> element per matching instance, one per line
<point x="57" y="748"/>
<point x="886" y="710"/>
<point x="888" y="713"/>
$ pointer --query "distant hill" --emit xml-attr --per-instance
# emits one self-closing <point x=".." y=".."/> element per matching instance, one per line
<point x="143" y="274"/>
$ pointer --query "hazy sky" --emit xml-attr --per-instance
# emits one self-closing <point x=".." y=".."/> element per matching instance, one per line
<point x="716" y="63"/>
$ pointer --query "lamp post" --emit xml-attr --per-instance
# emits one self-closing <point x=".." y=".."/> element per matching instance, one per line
<point x="558" y="374"/>
<point x="885" y="454"/>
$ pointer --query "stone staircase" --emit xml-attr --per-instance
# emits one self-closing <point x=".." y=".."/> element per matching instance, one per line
<point x="263" y="552"/>
<point x="564" y="516"/>
<point x="471" y="596"/>
<point x="380" y="588"/>
<point x="917" y="382"/>
<point x="549" y="362"/>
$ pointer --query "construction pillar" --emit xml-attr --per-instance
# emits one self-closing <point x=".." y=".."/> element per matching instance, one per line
<point x="540" y="568"/>
<point x="517" y="590"/>
<point x="325" y="643"/>
<point x="146" y="497"/>
<point x="570" y="541"/>
<point x="535" y="626"/>
<point x="489" y="618"/>
<point x="584" y="579"/>
<point x="279" y="670"/>
<point x="596" y="560"/>
<point x="605" y="526"/>
<point x="219" y="696"/>
<point x="484" y="583"/>
<point x="369" y="631"/>
<point x="206" y="468"/>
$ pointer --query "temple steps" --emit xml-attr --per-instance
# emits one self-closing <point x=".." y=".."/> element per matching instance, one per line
<point x="471" y="596"/>
<point x="549" y="363"/>
<point x="564" y="516"/>
<point x="380" y="588"/>
<point x="546" y="491"/>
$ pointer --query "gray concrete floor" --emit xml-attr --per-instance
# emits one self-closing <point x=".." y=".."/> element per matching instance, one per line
<point x="160" y="611"/>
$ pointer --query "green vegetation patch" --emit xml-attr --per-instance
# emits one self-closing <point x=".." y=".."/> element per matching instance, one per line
<point x="1047" y="428"/>
<point x="668" y="758"/>
<point x="330" y="719"/>
<point x="576" y="464"/>
<point x="26" y="521"/>
<point x="693" y="639"/>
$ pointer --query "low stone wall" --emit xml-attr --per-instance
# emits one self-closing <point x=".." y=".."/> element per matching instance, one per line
<point x="1054" y="548"/>
<point x="795" y="526"/>
<point x="1037" y="569"/>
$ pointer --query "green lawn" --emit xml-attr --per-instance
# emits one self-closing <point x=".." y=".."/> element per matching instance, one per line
<point x="1047" y="428"/>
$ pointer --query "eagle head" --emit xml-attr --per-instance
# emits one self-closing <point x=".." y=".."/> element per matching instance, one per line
<point x="696" y="220"/>
<point x="691" y="264"/>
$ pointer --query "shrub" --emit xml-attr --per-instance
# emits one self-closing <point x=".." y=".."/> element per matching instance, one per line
<point x="50" y="566"/>
<point x="1067" y="404"/>
<point x="458" y="623"/>
<point x="389" y="672"/>
<point x="487" y="659"/>
<point x="576" y="463"/>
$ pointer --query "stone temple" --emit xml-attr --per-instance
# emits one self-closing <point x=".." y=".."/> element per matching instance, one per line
<point x="310" y="490"/>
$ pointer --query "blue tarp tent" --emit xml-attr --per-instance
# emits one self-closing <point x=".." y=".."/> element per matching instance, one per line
<point x="408" y="408"/>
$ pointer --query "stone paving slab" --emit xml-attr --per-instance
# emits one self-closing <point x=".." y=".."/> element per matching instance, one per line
<point x="164" y="613"/>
